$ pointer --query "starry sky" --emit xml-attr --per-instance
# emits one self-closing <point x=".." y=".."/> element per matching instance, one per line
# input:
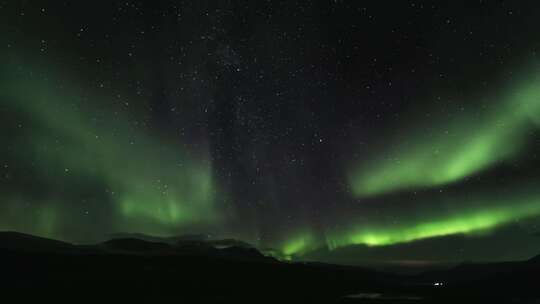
<point x="341" y="131"/>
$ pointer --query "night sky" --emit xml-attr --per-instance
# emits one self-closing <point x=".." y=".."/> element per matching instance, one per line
<point x="339" y="131"/>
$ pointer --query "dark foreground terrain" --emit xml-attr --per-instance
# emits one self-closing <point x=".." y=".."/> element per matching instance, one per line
<point x="192" y="271"/>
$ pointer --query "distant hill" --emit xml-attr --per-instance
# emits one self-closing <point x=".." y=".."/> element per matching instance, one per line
<point x="137" y="244"/>
<point x="169" y="240"/>
<point x="133" y="245"/>
<point x="535" y="259"/>
<point x="16" y="241"/>
<point x="192" y="245"/>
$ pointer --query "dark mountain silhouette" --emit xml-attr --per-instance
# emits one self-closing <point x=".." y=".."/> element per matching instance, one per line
<point x="230" y="243"/>
<point x="181" y="246"/>
<point x="132" y="245"/>
<point x="195" y="270"/>
<point x="535" y="260"/>
<point x="16" y="241"/>
<point x="158" y="239"/>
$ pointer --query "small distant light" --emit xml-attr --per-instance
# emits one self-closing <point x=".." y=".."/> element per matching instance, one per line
<point x="438" y="284"/>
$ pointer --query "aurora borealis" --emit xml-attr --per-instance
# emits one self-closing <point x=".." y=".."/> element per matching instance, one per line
<point x="458" y="148"/>
<point x="465" y="221"/>
<point x="297" y="127"/>
<point x="66" y="142"/>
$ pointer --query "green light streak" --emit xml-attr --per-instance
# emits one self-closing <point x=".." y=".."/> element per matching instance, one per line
<point x="463" y="146"/>
<point x="298" y="244"/>
<point x="463" y="221"/>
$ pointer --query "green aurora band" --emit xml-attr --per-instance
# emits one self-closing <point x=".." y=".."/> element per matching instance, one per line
<point x="152" y="184"/>
<point x="463" y="222"/>
<point x="462" y="214"/>
<point x="300" y="243"/>
<point x="471" y="215"/>
<point x="461" y="147"/>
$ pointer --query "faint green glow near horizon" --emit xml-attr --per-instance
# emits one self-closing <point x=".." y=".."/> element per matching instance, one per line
<point x="454" y="150"/>
<point x="461" y="222"/>
<point x="40" y="220"/>
<point x="298" y="244"/>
